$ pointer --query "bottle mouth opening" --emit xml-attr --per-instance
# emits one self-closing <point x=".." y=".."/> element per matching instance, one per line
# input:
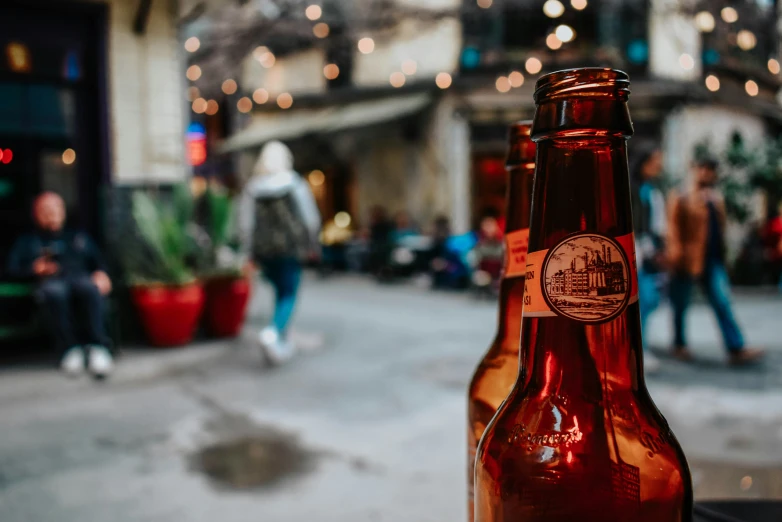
<point x="593" y="82"/>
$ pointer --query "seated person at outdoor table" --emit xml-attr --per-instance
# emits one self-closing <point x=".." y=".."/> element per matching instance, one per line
<point x="72" y="283"/>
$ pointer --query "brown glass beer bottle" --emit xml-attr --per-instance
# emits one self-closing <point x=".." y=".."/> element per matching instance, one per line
<point x="494" y="377"/>
<point x="579" y="438"/>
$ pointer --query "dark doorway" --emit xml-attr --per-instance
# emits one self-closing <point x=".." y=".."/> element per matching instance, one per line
<point x="52" y="111"/>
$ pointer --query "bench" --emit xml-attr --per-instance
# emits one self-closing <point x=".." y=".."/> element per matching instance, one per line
<point x="19" y="327"/>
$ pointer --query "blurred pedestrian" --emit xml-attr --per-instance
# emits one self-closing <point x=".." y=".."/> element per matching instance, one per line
<point x="489" y="253"/>
<point x="71" y="283"/>
<point x="696" y="253"/>
<point x="279" y="224"/>
<point x="403" y="227"/>
<point x="448" y="266"/>
<point x="381" y="240"/>
<point x="649" y="219"/>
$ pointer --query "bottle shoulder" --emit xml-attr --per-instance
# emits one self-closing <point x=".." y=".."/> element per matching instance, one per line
<point x="499" y="365"/>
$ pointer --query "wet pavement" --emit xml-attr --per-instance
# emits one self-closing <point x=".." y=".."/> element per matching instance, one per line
<point x="366" y="426"/>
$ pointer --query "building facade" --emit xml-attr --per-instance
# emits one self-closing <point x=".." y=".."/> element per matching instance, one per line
<point x="412" y="114"/>
<point x="90" y="99"/>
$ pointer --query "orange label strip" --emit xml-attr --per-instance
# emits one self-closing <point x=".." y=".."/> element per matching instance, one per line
<point x="516" y="244"/>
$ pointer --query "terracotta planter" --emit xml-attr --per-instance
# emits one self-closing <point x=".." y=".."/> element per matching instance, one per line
<point x="169" y="314"/>
<point x="226" y="305"/>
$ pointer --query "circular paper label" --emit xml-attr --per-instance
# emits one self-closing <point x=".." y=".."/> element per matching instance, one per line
<point x="586" y="277"/>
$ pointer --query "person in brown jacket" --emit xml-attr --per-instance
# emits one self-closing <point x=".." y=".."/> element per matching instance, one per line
<point x="696" y="254"/>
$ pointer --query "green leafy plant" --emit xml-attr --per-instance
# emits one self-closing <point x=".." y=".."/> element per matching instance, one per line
<point x="220" y="253"/>
<point x="762" y="168"/>
<point x="163" y="242"/>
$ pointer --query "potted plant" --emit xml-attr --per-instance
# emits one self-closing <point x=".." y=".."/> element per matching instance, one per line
<point x="168" y="297"/>
<point x="227" y="287"/>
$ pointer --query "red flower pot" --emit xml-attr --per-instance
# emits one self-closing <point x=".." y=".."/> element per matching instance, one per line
<point x="226" y="305"/>
<point x="169" y="314"/>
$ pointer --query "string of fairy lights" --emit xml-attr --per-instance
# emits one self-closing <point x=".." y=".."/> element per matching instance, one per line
<point x="562" y="34"/>
<point x="266" y="58"/>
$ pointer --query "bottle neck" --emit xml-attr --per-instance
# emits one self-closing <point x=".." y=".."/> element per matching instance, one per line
<point x="520" y="181"/>
<point x="519" y="202"/>
<point x="582" y="185"/>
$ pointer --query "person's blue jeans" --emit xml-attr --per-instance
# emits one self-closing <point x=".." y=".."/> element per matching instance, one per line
<point x="648" y="297"/>
<point x="716" y="286"/>
<point x="284" y="274"/>
<point x="74" y="311"/>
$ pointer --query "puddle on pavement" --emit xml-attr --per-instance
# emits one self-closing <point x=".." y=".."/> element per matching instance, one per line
<point x="260" y="460"/>
<point x="713" y="480"/>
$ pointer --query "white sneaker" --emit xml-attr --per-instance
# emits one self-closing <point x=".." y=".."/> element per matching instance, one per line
<point x="276" y="349"/>
<point x="651" y="363"/>
<point x="100" y="362"/>
<point x="72" y="363"/>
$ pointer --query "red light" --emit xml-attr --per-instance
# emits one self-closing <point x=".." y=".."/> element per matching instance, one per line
<point x="196" y="151"/>
<point x="6" y="156"/>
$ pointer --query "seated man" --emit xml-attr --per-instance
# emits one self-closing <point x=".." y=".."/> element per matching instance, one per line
<point x="71" y="281"/>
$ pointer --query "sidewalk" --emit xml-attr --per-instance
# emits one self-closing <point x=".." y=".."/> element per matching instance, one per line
<point x="375" y="417"/>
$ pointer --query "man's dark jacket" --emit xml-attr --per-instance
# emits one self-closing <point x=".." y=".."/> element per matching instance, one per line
<point x="73" y="251"/>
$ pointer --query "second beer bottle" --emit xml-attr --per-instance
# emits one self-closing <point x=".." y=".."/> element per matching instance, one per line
<point x="579" y="438"/>
<point x="494" y="377"/>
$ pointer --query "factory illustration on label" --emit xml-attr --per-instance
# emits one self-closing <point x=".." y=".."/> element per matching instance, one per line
<point x="586" y="277"/>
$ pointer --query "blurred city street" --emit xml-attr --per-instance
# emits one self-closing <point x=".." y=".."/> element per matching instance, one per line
<point x="367" y="424"/>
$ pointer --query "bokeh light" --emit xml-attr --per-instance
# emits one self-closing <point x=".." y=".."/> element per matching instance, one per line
<point x="342" y="219"/>
<point x="503" y="84"/>
<point x="193" y="73"/>
<point x="751" y="87"/>
<point x="443" y="80"/>
<point x="260" y="96"/>
<point x="264" y="56"/>
<point x="192" y="44"/>
<point x="565" y="33"/>
<point x="316" y="178"/>
<point x="244" y="104"/>
<point x="285" y="100"/>
<point x="729" y="14"/>
<point x="321" y="30"/>
<point x="313" y="12"/>
<point x="366" y="45"/>
<point x="199" y="106"/>
<point x="533" y="65"/>
<point x="686" y="61"/>
<point x="331" y="71"/>
<point x="746" y="40"/>
<point x="516" y="79"/>
<point x="553" y="8"/>
<point x="69" y="156"/>
<point x="712" y="83"/>
<point x="704" y="21"/>
<point x="397" y="79"/>
<point x="229" y="86"/>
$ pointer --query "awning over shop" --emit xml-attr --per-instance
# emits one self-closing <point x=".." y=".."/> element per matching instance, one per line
<point x="290" y="124"/>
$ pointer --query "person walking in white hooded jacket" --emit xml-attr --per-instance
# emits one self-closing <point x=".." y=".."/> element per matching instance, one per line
<point x="279" y="223"/>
